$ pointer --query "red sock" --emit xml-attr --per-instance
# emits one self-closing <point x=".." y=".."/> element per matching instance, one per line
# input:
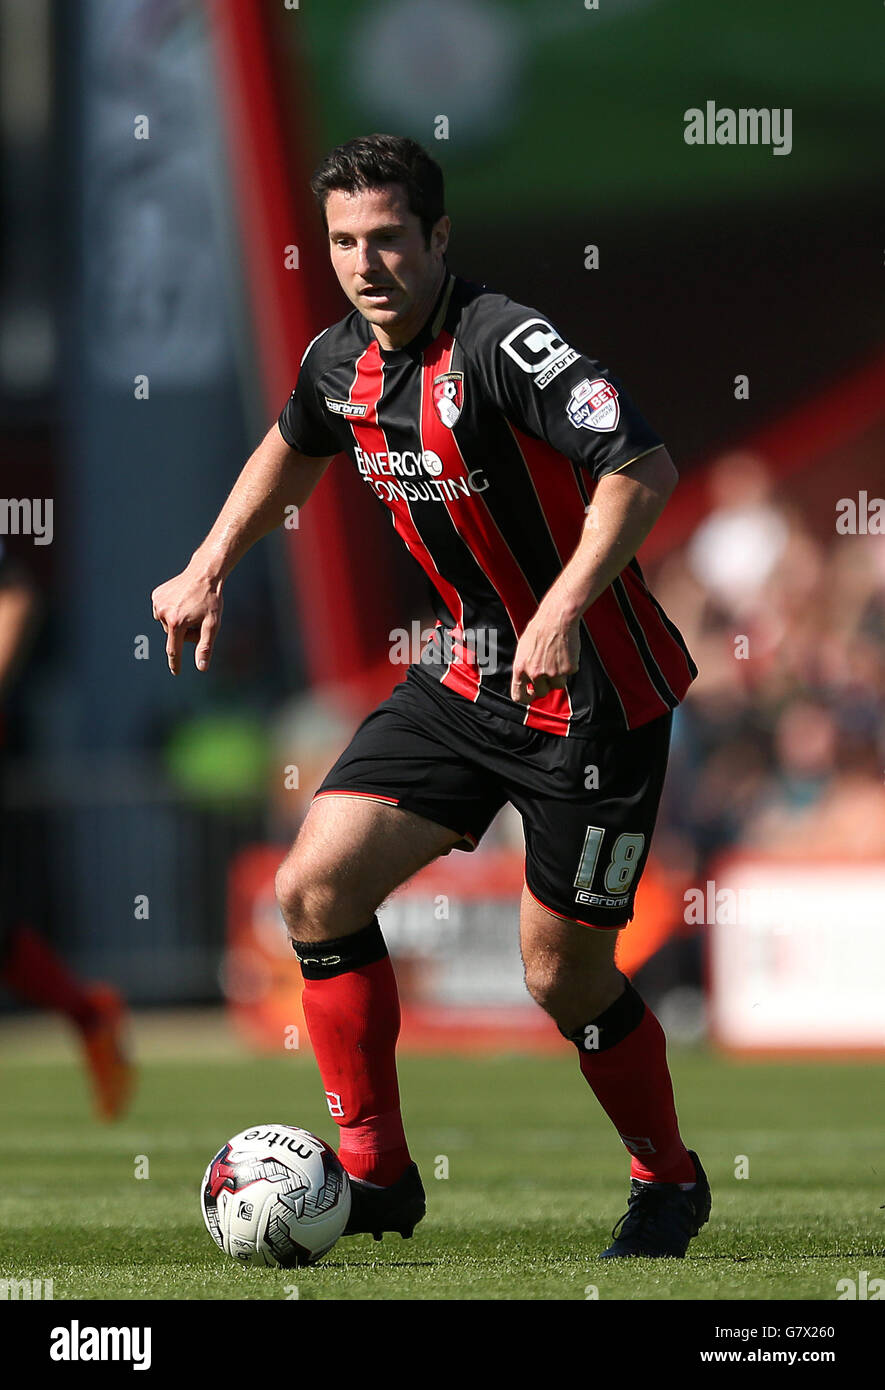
<point x="35" y="973"/>
<point x="629" y="1076"/>
<point x="353" y="1020"/>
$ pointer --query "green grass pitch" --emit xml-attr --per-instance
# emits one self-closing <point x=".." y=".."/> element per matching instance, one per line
<point x="535" y="1180"/>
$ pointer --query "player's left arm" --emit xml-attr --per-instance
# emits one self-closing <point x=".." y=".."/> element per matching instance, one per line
<point x="625" y="506"/>
<point x="551" y="391"/>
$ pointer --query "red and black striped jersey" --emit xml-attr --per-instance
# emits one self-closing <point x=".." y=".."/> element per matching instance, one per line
<point x="485" y="437"/>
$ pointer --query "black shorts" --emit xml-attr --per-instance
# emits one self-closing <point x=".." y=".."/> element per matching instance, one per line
<point x="588" y="805"/>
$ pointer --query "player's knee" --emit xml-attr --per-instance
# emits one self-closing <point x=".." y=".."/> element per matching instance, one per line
<point x="544" y="983"/>
<point x="314" y="903"/>
<point x="306" y="899"/>
<point x="569" y="991"/>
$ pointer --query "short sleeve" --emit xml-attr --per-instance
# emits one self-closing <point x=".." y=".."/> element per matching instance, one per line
<point x="302" y="422"/>
<point x="546" y="387"/>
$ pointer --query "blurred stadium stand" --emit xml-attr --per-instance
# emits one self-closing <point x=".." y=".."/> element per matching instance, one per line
<point x="163" y="258"/>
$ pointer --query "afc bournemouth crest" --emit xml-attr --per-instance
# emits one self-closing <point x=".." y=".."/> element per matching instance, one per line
<point x="593" y="405"/>
<point x="448" y="397"/>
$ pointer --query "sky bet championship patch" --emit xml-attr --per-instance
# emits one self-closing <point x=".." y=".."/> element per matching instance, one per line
<point x="593" y="405"/>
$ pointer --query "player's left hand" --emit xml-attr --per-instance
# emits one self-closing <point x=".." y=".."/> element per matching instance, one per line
<point x="546" y="655"/>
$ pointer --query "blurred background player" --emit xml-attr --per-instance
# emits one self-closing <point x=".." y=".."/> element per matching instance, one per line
<point x="30" y="968"/>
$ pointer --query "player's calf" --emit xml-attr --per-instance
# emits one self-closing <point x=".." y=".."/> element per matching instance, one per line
<point x="349" y="857"/>
<point x="569" y="967"/>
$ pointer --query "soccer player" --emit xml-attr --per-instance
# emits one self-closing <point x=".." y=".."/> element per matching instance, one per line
<point x="522" y="479"/>
<point x="29" y="967"/>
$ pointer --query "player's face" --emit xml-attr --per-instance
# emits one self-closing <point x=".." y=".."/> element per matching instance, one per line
<point x="382" y="261"/>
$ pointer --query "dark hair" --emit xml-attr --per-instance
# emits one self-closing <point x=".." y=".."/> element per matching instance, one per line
<point x="372" y="161"/>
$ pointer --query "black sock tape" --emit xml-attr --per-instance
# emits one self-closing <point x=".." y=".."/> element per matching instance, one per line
<point x="613" y="1025"/>
<point x="323" y="960"/>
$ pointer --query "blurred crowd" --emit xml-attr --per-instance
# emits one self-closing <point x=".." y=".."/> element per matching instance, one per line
<point x="780" y="746"/>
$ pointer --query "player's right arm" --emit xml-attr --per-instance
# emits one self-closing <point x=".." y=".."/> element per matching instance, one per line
<point x="276" y="477"/>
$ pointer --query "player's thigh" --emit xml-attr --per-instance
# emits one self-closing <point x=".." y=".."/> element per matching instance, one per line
<point x="404" y="791"/>
<point x="350" y="854"/>
<point x="587" y="845"/>
<point x="550" y="943"/>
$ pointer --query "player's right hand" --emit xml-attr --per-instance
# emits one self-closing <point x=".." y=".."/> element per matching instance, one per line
<point x="189" y="607"/>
